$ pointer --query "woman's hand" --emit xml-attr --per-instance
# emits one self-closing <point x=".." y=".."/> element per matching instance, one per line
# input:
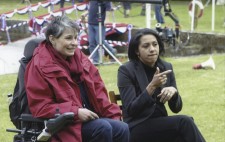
<point x="158" y="80"/>
<point x="166" y="94"/>
<point x="86" y="115"/>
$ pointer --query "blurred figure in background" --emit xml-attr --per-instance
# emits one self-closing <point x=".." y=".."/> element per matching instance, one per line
<point x="62" y="3"/>
<point x="222" y="2"/>
<point x="127" y="8"/>
<point x="23" y="1"/>
<point x="143" y="8"/>
<point x="158" y="14"/>
<point x="93" y="28"/>
<point x="109" y="17"/>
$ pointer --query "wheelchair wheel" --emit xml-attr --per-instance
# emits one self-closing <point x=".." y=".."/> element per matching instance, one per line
<point x="25" y="138"/>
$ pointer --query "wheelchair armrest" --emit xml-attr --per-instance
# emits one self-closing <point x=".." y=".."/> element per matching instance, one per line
<point x="30" y="118"/>
<point x="55" y="124"/>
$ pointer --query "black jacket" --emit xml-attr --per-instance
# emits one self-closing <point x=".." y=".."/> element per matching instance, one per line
<point x="137" y="104"/>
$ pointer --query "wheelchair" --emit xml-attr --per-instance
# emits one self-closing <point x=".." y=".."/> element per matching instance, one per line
<point x="38" y="130"/>
<point x="28" y="128"/>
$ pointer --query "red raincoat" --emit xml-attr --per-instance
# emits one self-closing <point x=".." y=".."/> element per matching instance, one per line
<point x="49" y="87"/>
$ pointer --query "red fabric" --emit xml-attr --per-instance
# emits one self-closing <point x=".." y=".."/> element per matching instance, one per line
<point x="72" y="64"/>
<point x="197" y="66"/>
<point x="49" y="86"/>
<point x="110" y="25"/>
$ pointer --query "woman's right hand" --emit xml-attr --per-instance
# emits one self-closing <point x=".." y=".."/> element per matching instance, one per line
<point x="86" y="115"/>
<point x="158" y="80"/>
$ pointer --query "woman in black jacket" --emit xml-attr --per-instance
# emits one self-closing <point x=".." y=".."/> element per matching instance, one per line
<point x="146" y="83"/>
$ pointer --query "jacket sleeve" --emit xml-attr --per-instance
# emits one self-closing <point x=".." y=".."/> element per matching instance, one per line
<point x="103" y="106"/>
<point x="175" y="104"/>
<point x="134" y="102"/>
<point x="41" y="98"/>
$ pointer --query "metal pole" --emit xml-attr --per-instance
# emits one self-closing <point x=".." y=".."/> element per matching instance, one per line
<point x="213" y="15"/>
<point x="193" y="16"/>
<point x="100" y="31"/>
<point x="148" y="15"/>
<point x="100" y="46"/>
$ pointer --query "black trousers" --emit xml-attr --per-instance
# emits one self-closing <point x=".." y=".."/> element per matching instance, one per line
<point x="178" y="128"/>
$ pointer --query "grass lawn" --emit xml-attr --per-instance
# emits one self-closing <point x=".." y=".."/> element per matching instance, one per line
<point x="203" y="93"/>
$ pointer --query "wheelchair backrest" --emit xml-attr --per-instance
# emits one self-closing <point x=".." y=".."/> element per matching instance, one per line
<point x="19" y="104"/>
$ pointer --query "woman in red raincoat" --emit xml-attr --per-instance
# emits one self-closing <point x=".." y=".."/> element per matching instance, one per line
<point x="60" y="76"/>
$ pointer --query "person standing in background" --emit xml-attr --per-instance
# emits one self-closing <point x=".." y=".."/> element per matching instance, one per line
<point x="143" y="8"/>
<point x="109" y="17"/>
<point x="93" y="28"/>
<point x="62" y="3"/>
<point x="23" y="1"/>
<point x="158" y="14"/>
<point x="127" y="8"/>
<point x="222" y="2"/>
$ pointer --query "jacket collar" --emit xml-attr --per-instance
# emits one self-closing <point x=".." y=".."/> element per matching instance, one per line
<point x="51" y="69"/>
<point x="140" y="74"/>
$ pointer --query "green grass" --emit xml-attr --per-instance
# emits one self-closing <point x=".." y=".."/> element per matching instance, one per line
<point x="203" y="93"/>
<point x="180" y="8"/>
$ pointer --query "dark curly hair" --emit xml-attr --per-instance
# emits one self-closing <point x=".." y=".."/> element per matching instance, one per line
<point x="135" y="41"/>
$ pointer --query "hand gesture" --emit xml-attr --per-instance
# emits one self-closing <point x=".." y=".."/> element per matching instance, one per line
<point x="159" y="78"/>
<point x="86" y="115"/>
<point x="166" y="94"/>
